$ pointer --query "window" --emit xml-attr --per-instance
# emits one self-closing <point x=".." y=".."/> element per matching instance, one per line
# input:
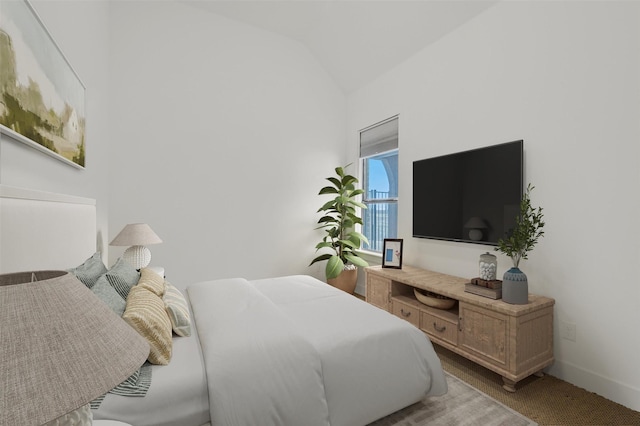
<point x="379" y="154"/>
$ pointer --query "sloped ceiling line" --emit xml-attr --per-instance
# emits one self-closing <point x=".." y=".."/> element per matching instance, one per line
<point x="355" y="41"/>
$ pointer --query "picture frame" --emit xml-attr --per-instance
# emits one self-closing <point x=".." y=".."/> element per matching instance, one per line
<point x="392" y="253"/>
<point x="42" y="99"/>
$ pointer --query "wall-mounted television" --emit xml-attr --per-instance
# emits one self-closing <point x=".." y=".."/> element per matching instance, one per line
<point x="471" y="196"/>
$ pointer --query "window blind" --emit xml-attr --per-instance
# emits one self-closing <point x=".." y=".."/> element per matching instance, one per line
<point x="380" y="137"/>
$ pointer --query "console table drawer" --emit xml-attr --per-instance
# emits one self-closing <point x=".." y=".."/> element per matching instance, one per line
<point x="439" y="328"/>
<point x="406" y="312"/>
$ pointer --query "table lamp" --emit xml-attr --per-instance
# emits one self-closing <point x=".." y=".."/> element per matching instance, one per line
<point x="475" y="226"/>
<point x="136" y="235"/>
<point x="62" y="347"/>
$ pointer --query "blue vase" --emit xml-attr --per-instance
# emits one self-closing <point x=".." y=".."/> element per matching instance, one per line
<point x="515" y="288"/>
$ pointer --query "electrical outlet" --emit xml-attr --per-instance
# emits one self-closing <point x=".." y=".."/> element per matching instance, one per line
<point x="568" y="331"/>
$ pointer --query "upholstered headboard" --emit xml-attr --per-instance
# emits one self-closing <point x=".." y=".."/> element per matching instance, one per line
<point x="44" y="230"/>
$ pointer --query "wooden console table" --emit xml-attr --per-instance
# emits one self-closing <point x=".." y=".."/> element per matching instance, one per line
<point x="515" y="341"/>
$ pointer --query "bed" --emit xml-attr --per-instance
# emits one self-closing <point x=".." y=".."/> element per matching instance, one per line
<point x="288" y="350"/>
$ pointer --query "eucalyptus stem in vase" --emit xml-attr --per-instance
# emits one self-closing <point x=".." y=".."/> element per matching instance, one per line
<point x="522" y="239"/>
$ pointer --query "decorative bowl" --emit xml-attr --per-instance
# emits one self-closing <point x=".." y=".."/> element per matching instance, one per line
<point x="433" y="300"/>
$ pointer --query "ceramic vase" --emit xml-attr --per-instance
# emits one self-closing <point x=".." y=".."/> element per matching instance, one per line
<point x="515" y="288"/>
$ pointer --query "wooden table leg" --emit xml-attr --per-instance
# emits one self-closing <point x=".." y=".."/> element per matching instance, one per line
<point x="509" y="385"/>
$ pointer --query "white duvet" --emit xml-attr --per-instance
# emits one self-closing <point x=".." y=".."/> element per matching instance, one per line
<point x="296" y="351"/>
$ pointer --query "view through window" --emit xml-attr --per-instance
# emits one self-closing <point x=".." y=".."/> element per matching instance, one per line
<point x="379" y="154"/>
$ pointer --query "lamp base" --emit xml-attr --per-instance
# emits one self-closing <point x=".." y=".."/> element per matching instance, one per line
<point x="475" y="234"/>
<point x="137" y="256"/>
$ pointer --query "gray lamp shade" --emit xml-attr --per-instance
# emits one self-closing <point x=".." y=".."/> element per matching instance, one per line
<point x="62" y="347"/>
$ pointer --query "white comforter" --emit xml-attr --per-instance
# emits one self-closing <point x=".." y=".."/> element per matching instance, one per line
<point x="296" y="351"/>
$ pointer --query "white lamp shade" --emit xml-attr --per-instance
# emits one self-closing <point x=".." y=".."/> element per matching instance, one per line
<point x="136" y="234"/>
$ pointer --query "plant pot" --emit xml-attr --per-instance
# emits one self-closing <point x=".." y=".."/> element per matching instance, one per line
<point x="346" y="281"/>
<point x="515" y="287"/>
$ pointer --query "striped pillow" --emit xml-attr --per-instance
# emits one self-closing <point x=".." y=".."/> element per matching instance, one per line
<point x="146" y="314"/>
<point x="178" y="310"/>
<point x="122" y="276"/>
<point x="151" y="281"/>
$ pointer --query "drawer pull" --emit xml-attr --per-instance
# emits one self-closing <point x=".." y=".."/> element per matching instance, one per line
<point x="439" y="329"/>
<point x="405" y="314"/>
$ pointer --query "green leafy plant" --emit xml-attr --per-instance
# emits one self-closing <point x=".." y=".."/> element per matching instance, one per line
<point x="526" y="233"/>
<point x="338" y="221"/>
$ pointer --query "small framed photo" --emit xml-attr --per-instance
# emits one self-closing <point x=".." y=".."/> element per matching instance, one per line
<point x="392" y="253"/>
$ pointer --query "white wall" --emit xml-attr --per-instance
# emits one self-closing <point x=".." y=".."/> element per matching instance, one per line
<point x="81" y="31"/>
<point x="221" y="136"/>
<point x="565" y="77"/>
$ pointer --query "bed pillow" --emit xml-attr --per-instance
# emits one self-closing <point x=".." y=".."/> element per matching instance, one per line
<point x="89" y="272"/>
<point x="122" y="276"/>
<point x="109" y="295"/>
<point x="178" y="310"/>
<point x="146" y="314"/>
<point x="151" y="281"/>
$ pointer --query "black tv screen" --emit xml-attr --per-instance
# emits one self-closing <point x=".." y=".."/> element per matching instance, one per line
<point x="471" y="196"/>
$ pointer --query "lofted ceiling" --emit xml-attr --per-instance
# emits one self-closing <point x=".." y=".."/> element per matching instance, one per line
<point x="354" y="40"/>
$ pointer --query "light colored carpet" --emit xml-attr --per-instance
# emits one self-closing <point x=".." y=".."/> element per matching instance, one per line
<point x="462" y="405"/>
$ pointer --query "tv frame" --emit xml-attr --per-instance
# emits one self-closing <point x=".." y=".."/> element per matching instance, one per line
<point x="520" y="142"/>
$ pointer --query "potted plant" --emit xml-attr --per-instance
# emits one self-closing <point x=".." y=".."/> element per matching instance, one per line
<point x="516" y="245"/>
<point x="340" y="215"/>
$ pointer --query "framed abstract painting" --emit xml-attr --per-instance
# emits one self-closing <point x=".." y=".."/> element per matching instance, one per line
<point x="392" y="253"/>
<point x="42" y="99"/>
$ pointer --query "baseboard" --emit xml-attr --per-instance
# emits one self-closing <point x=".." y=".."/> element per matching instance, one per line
<point x="613" y="390"/>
